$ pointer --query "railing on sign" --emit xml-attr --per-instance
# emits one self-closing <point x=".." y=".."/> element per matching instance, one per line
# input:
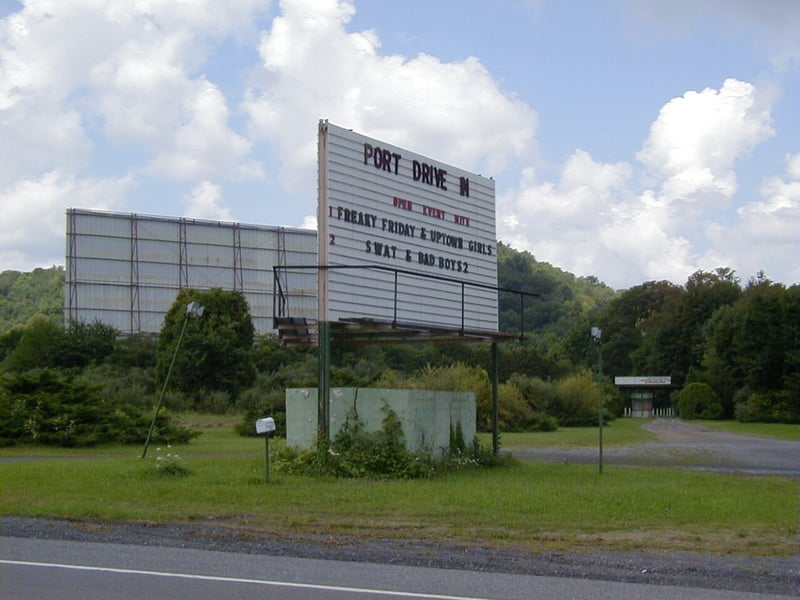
<point x="280" y="296"/>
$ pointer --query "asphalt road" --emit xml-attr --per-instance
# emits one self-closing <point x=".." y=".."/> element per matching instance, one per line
<point x="65" y="570"/>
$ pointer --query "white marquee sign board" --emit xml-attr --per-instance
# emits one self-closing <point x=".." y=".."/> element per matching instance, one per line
<point x="644" y="381"/>
<point x="383" y="206"/>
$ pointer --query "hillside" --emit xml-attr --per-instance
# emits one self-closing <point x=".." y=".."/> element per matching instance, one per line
<point x="562" y="296"/>
<point x="23" y="295"/>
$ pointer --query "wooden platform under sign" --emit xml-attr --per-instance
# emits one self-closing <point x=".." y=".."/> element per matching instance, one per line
<point x="299" y="332"/>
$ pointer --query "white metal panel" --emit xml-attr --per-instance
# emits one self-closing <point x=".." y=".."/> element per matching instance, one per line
<point x="384" y="206"/>
<point x="126" y="270"/>
<point x="155" y="228"/>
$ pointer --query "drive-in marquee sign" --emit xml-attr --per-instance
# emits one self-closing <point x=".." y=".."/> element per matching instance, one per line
<point x="390" y="209"/>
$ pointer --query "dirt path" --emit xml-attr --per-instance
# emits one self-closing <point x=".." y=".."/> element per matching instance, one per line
<point x="687" y="445"/>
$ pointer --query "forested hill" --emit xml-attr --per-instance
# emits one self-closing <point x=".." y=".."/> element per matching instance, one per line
<point x="23" y="295"/>
<point x="562" y="295"/>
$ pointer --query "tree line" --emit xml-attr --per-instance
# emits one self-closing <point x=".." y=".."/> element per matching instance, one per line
<point x="731" y="349"/>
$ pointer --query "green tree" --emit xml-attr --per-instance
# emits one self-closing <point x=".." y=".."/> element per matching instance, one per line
<point x="765" y="322"/>
<point x="43" y="343"/>
<point x="629" y="322"/>
<point x="216" y="353"/>
<point x="706" y="292"/>
<point x="32" y="345"/>
<point x="752" y="347"/>
<point x="23" y="295"/>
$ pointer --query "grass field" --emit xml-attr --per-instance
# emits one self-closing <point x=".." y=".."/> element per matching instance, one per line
<point x="621" y="432"/>
<point x="781" y="431"/>
<point x="538" y="506"/>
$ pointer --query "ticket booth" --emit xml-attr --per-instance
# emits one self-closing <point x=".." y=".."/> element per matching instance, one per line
<point x="642" y="393"/>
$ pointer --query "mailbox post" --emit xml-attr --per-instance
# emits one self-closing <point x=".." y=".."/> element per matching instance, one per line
<point x="266" y="427"/>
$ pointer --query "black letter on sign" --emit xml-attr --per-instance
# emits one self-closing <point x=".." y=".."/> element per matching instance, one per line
<point x="463" y="186"/>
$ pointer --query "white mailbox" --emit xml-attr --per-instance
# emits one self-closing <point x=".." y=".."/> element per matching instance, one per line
<point x="265" y="426"/>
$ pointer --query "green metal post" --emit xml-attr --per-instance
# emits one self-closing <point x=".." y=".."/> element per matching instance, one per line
<point x="164" y="387"/>
<point x="495" y="409"/>
<point x="600" y="404"/>
<point x="324" y="387"/>
<point x="266" y="458"/>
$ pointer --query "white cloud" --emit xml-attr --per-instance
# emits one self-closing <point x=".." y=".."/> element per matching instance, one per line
<point x="136" y="79"/>
<point x="202" y="144"/>
<point x="697" y="138"/>
<point x="564" y="223"/>
<point x="594" y="221"/>
<point x="34" y="209"/>
<point x="313" y="68"/>
<point x="309" y="222"/>
<point x="203" y="202"/>
<point x="36" y="137"/>
<point x="767" y="231"/>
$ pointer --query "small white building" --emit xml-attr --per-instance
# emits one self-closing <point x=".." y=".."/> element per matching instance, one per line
<point x="641" y="392"/>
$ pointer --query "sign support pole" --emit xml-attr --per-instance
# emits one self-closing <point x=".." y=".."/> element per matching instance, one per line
<point x="324" y="387"/>
<point x="495" y="409"/>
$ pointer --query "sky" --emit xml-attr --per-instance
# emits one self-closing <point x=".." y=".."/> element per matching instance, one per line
<point x="629" y="140"/>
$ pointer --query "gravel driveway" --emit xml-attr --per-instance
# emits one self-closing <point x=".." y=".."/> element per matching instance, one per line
<point x="682" y="444"/>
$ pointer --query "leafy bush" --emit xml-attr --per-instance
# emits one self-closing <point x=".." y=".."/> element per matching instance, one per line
<point x="55" y="407"/>
<point x="540" y="397"/>
<point x="264" y="399"/>
<point x="575" y="401"/>
<point x="355" y="452"/>
<point x="457" y="378"/>
<point x="32" y="345"/>
<point x="699" y="401"/>
<point x="769" y="407"/>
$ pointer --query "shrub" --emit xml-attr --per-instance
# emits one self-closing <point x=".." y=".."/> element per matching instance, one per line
<point x="514" y="413"/>
<point x="539" y="394"/>
<point x="55" y="407"/>
<point x="263" y="399"/>
<point x="699" y="401"/>
<point x="769" y="407"/>
<point x="356" y="453"/>
<point x="457" y="378"/>
<point x="575" y="402"/>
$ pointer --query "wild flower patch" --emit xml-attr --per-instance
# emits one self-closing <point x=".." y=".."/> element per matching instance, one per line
<point x="169" y="464"/>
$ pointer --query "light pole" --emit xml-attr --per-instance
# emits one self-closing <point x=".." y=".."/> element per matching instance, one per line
<point x="597" y="335"/>
<point x="193" y="309"/>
